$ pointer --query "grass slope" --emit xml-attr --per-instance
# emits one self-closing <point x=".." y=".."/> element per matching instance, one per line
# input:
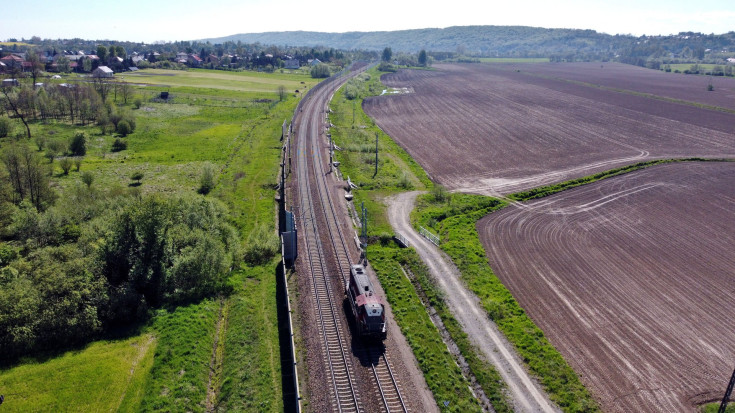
<point x="63" y="383"/>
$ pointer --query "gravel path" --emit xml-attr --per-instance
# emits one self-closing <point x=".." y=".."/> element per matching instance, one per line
<point x="526" y="394"/>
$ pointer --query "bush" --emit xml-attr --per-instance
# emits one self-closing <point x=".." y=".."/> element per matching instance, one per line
<point x="119" y="145"/>
<point x="439" y="193"/>
<point x="262" y="245"/>
<point x="137" y="103"/>
<point x="320" y="71"/>
<point x="78" y="145"/>
<point x="137" y="176"/>
<point x="6" y="127"/>
<point x="65" y="164"/>
<point x="87" y="178"/>
<point x="123" y="128"/>
<point x="206" y="182"/>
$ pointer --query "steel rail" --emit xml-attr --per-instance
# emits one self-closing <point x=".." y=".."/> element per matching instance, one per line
<point x="345" y="394"/>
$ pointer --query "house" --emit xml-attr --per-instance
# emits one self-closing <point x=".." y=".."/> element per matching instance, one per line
<point x="292" y="64"/>
<point x="102" y="72"/>
<point x="213" y="59"/>
<point x="13" y="61"/>
<point x="731" y="60"/>
<point x="137" y="59"/>
<point x="314" y="62"/>
<point x="3" y="67"/>
<point x="194" y="60"/>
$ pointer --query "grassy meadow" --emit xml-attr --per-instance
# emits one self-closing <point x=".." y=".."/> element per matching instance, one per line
<point x="217" y="354"/>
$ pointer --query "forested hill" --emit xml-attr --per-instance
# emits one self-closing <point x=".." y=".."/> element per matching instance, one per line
<point x="474" y="40"/>
<point x="498" y="41"/>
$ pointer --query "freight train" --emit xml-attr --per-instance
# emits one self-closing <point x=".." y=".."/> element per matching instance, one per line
<point x="367" y="306"/>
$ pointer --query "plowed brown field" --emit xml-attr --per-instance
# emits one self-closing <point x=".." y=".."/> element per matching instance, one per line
<point x="690" y="88"/>
<point x="632" y="279"/>
<point x="487" y="129"/>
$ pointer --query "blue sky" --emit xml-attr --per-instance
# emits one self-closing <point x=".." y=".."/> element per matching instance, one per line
<point x="169" y="20"/>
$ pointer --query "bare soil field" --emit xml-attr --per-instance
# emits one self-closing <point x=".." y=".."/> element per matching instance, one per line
<point x="490" y="130"/>
<point x="632" y="279"/>
<point x="691" y="88"/>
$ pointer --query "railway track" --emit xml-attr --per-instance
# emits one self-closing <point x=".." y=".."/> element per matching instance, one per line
<point x="321" y="225"/>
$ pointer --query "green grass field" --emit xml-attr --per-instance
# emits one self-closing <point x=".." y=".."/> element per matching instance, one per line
<point x="103" y="376"/>
<point x="212" y="79"/>
<point x="230" y="120"/>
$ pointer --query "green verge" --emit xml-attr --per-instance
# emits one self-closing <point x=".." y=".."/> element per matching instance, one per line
<point x="354" y="132"/>
<point x="715" y="407"/>
<point x="442" y="374"/>
<point x="178" y="380"/>
<point x="486" y="375"/>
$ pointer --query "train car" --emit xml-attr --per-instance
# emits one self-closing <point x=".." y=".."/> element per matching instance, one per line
<point x="367" y="306"/>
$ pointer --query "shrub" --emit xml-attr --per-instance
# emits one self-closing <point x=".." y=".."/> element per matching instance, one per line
<point x="123" y="128"/>
<point x="206" y="182"/>
<point x="87" y="178"/>
<point x="439" y="193"/>
<point x="137" y="176"/>
<point x="119" y="145"/>
<point x="65" y="164"/>
<point x="78" y="145"/>
<point x="262" y="245"/>
<point x="137" y="103"/>
<point x="6" y="128"/>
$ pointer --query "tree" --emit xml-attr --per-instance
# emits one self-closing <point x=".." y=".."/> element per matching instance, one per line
<point x="102" y="53"/>
<point x="63" y="64"/>
<point x="78" y="145"/>
<point x="387" y="54"/>
<point x="35" y="65"/>
<point x="28" y="176"/>
<point x="12" y="101"/>
<point x="422" y="58"/>
<point x="281" y="93"/>
<point x="125" y="90"/>
<point x="320" y="71"/>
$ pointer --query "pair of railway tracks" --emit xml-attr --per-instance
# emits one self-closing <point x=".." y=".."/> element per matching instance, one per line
<point x="321" y="226"/>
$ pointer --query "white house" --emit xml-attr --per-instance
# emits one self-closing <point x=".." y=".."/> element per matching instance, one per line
<point x="102" y="71"/>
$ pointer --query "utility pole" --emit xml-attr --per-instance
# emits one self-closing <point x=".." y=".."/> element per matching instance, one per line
<point x="728" y="392"/>
<point x="363" y="235"/>
<point x="376" y="155"/>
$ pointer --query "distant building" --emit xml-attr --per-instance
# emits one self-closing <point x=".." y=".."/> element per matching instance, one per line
<point x="194" y="60"/>
<point x="292" y="64"/>
<point x="314" y="62"/>
<point x="102" y="72"/>
<point x="731" y="60"/>
<point x="13" y="61"/>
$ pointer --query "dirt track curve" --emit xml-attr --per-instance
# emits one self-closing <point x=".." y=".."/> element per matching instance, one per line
<point x="527" y="396"/>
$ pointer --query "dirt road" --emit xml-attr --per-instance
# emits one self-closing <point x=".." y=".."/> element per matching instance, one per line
<point x="527" y="396"/>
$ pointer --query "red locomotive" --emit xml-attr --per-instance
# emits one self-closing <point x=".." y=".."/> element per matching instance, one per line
<point x="367" y="306"/>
